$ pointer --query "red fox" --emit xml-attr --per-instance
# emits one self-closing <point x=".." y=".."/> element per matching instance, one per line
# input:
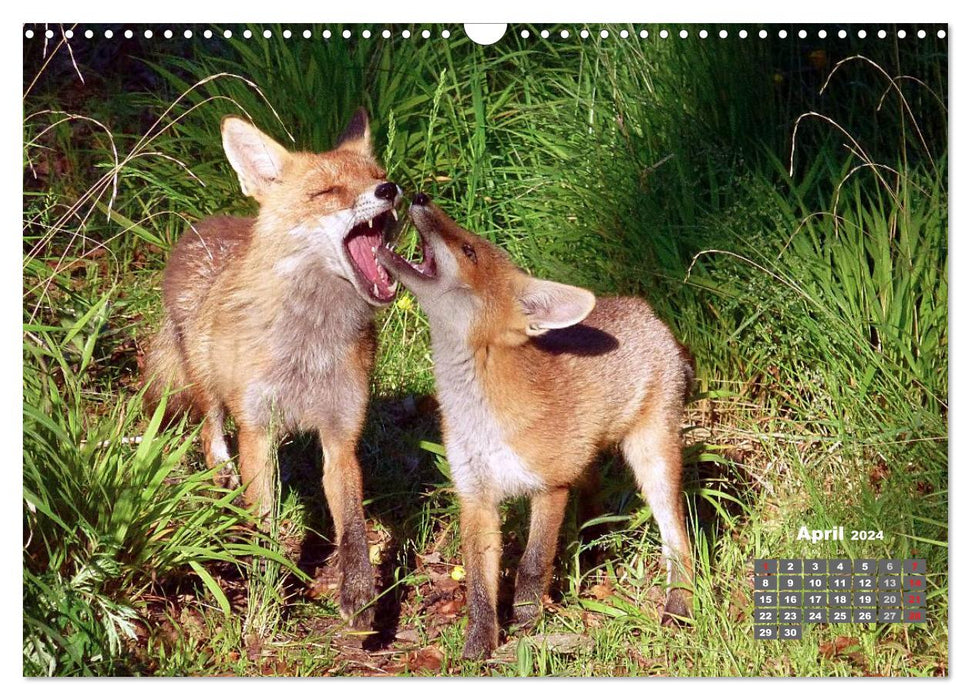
<point x="270" y="320"/>
<point x="534" y="378"/>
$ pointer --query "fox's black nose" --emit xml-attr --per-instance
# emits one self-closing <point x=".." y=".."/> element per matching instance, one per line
<point x="387" y="190"/>
<point x="420" y="199"/>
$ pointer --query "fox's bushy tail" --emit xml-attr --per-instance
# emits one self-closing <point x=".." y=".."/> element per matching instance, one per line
<point x="688" y="368"/>
<point x="164" y="373"/>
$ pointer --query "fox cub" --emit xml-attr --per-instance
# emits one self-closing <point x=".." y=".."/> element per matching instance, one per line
<point x="270" y="320"/>
<point x="534" y="378"/>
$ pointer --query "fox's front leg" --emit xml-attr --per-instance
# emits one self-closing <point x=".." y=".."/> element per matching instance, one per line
<point x="342" y="487"/>
<point x="481" y="550"/>
<point x="536" y="566"/>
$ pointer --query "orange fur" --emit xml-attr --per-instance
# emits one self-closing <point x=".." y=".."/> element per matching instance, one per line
<point x="536" y="378"/>
<point x="270" y="320"/>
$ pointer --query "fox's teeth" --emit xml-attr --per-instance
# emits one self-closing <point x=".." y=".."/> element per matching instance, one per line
<point x="394" y="213"/>
<point x="374" y="288"/>
<point x="374" y="249"/>
<point x="369" y="224"/>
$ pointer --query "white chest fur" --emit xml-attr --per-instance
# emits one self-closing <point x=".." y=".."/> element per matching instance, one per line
<point x="480" y="459"/>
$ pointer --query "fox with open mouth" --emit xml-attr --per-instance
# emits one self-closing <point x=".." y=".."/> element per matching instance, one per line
<point x="534" y="378"/>
<point x="270" y="320"/>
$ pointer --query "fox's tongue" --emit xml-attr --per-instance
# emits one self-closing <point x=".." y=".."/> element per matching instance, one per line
<point x="361" y="247"/>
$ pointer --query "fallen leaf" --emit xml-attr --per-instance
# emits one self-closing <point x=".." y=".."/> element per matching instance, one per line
<point x="254" y="647"/>
<point x="451" y="607"/>
<point x="428" y="659"/>
<point x="433" y="558"/>
<point x="591" y="620"/>
<point x="601" y="591"/>
<point x="407" y="635"/>
<point x="878" y="474"/>
<point x="831" y="649"/>
<point x="859" y="659"/>
<point x="443" y="582"/>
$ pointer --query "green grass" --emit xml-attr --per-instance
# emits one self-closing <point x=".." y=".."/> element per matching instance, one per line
<point x="803" y="259"/>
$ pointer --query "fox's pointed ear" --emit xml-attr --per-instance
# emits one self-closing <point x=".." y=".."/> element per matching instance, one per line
<point x="548" y="305"/>
<point x="357" y="134"/>
<point x="258" y="160"/>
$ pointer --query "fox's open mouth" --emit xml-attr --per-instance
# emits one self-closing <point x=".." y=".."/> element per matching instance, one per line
<point x="362" y="243"/>
<point x="424" y="268"/>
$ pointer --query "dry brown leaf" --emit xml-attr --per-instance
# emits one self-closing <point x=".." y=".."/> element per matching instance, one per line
<point x="601" y="591"/>
<point x="407" y="635"/>
<point x="591" y="619"/>
<point x="432" y="558"/>
<point x="450" y="607"/>
<point x="428" y="659"/>
<point x="444" y="583"/>
<point x="831" y="649"/>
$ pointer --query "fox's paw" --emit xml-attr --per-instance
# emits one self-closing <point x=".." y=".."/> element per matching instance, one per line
<point x="480" y="641"/>
<point x="227" y="477"/>
<point x="678" y="608"/>
<point x="356" y="595"/>
<point x="526" y="613"/>
<point x="527" y="605"/>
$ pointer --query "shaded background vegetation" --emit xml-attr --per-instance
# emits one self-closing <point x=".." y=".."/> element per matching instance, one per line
<point x="782" y="203"/>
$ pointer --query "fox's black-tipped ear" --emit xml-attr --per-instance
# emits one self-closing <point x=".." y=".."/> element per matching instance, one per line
<point x="548" y="305"/>
<point x="357" y="133"/>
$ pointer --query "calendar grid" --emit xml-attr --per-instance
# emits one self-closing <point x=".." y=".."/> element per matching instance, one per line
<point x="789" y="593"/>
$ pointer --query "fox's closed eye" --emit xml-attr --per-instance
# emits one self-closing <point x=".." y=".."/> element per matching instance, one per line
<point x="326" y="190"/>
<point x="469" y="252"/>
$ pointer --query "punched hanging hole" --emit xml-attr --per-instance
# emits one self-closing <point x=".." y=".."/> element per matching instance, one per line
<point x="485" y="34"/>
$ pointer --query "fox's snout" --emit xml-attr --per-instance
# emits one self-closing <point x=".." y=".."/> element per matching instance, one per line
<point x="426" y="215"/>
<point x="387" y="191"/>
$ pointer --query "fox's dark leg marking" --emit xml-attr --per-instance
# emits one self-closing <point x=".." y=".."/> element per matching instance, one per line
<point x="536" y="566"/>
<point x="343" y="489"/>
<point x="481" y="548"/>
